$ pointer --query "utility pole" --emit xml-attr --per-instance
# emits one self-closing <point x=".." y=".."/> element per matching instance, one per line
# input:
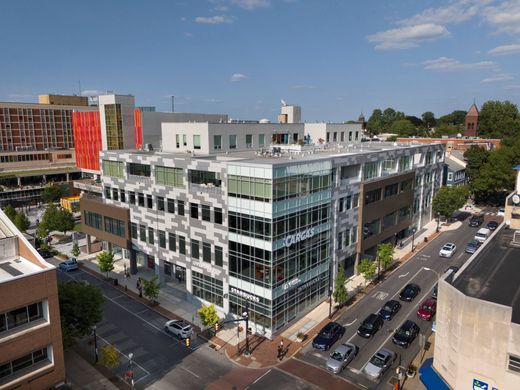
<point x="173" y="103"/>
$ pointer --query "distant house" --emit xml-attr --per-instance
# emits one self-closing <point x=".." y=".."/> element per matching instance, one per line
<point x="454" y="172"/>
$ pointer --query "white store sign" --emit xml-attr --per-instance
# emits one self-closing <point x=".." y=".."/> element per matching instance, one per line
<point x="297" y="237"/>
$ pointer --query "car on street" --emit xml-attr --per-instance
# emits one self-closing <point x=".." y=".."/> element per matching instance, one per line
<point x="328" y="335"/>
<point x="453" y="268"/>
<point x="178" y="328"/>
<point x="68" y="265"/>
<point x="45" y="253"/>
<point x="492" y="225"/>
<point x="370" y="325"/>
<point x="482" y="235"/>
<point x="501" y="211"/>
<point x="390" y="309"/>
<point x="406" y="334"/>
<point x="472" y="246"/>
<point x="476" y="221"/>
<point x="427" y="309"/>
<point x="409" y="292"/>
<point x="448" y="250"/>
<point x="341" y="357"/>
<point x="381" y="361"/>
<point x="434" y="291"/>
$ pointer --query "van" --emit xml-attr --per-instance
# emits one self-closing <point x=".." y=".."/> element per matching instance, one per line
<point x="482" y="235"/>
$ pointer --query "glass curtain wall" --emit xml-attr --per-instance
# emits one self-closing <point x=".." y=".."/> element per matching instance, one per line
<point x="114" y="126"/>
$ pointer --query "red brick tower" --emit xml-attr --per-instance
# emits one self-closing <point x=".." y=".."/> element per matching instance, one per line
<point x="471" y="125"/>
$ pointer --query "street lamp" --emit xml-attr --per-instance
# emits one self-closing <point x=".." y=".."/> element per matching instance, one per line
<point x="95" y="344"/>
<point x="400" y="375"/>
<point x="413" y="238"/>
<point x="438" y="222"/>
<point x="245" y="316"/>
<point x="130" y="366"/>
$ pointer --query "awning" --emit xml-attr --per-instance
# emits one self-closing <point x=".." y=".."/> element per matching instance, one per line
<point x="430" y="378"/>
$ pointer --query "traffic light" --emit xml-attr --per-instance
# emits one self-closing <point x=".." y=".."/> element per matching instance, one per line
<point x="187" y="341"/>
<point x="217" y="327"/>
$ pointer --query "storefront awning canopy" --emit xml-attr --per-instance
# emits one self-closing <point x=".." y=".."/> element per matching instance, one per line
<point x="430" y="378"/>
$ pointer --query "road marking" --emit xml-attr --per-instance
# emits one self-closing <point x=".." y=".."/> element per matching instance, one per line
<point x="351" y="322"/>
<point x="402" y="276"/>
<point x="318" y="355"/>
<point x="191" y="372"/>
<point x="141" y="312"/>
<point x="119" y="296"/>
<point x="260" y="377"/>
<point x="462" y="254"/>
<point x="381" y="295"/>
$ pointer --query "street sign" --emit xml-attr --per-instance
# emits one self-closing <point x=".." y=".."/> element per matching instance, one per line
<point x="479" y="385"/>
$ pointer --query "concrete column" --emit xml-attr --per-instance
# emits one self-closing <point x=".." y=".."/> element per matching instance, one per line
<point x="67" y="177"/>
<point x="89" y="247"/>
<point x="159" y="270"/>
<point x="133" y="261"/>
<point x="44" y="179"/>
<point x="19" y="181"/>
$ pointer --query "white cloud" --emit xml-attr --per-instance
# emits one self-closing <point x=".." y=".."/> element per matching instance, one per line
<point x="302" y="86"/>
<point x="251" y="4"/>
<point x="217" y="19"/>
<point x="505" y="49"/>
<point x="92" y="92"/>
<point x="237" y="77"/>
<point x="504" y="17"/>
<point x="444" y="64"/>
<point x="512" y="86"/>
<point x="455" y="12"/>
<point x="496" y="78"/>
<point x="407" y="37"/>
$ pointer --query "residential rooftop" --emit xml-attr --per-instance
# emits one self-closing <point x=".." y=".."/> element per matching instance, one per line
<point x="493" y="274"/>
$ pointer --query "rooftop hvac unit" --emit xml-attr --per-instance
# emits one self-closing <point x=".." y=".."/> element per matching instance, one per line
<point x="148" y="147"/>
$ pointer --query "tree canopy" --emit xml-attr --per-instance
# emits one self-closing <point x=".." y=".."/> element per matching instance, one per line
<point x="81" y="307"/>
<point x="52" y="193"/>
<point x="208" y="315"/>
<point x="340" y="293"/>
<point x="449" y="199"/>
<point x="10" y="212"/>
<point x="375" y="122"/>
<point x="499" y="120"/>
<point x="105" y="261"/>
<point x="403" y="127"/>
<point x="22" y="222"/>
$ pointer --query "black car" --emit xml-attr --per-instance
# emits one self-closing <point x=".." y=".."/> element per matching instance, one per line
<point x="454" y="268"/>
<point x="492" y="225"/>
<point x="409" y="292"/>
<point x="370" y="326"/>
<point x="476" y="221"/>
<point x="328" y="335"/>
<point x="406" y="333"/>
<point x="389" y="310"/>
<point x="434" y="291"/>
<point x="45" y="253"/>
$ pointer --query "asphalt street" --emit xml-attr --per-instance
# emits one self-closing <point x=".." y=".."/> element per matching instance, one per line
<point x="280" y="380"/>
<point x="413" y="271"/>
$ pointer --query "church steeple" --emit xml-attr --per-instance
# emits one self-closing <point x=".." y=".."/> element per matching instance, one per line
<point x="471" y="122"/>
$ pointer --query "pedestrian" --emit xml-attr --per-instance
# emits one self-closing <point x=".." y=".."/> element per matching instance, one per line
<point x="280" y="350"/>
<point x="140" y="287"/>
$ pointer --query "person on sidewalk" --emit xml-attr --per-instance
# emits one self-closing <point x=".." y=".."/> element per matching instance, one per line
<point x="140" y="287"/>
<point x="280" y="350"/>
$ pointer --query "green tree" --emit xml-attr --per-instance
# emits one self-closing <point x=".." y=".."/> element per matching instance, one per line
<point x="499" y="120"/>
<point x="476" y="157"/>
<point x="81" y="307"/>
<point x="49" y="219"/>
<point x="455" y="118"/>
<point x="496" y="175"/>
<point x="52" y="193"/>
<point x="22" y="222"/>
<point x="75" y="250"/>
<point x="340" y="293"/>
<point x="449" y="199"/>
<point x="447" y="129"/>
<point x="151" y="288"/>
<point x="105" y="261"/>
<point x="385" y="255"/>
<point x="208" y="315"/>
<point x="375" y="122"/>
<point x="403" y="127"/>
<point x="428" y="119"/>
<point x="389" y="117"/>
<point x="109" y="356"/>
<point x="41" y="231"/>
<point x="64" y="221"/>
<point x="10" y="212"/>
<point x="367" y="268"/>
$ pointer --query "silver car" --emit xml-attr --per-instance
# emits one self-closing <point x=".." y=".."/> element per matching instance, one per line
<point x="379" y="363"/>
<point x="342" y="356"/>
<point x="178" y="328"/>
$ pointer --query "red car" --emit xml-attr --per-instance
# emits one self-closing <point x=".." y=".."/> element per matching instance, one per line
<point x="427" y="309"/>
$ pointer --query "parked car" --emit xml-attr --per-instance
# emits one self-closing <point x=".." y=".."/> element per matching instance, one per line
<point x="390" y="309"/>
<point x="381" y="361"/>
<point x="476" y="221"/>
<point x="45" y="253"/>
<point x="501" y="211"/>
<point x="409" y="292"/>
<point x="370" y="326"/>
<point x="472" y="246"/>
<point x="178" y="328"/>
<point x="448" y="250"/>
<point x="427" y="309"/>
<point x="492" y="225"/>
<point x="68" y="265"/>
<point x="453" y="268"/>
<point x="406" y="334"/>
<point x="328" y="335"/>
<point x="341" y="357"/>
<point x="434" y="291"/>
<point x="482" y="235"/>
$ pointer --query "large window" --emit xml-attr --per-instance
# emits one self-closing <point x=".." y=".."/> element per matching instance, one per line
<point x="114" y="226"/>
<point x="171" y="205"/>
<point x="217" y="142"/>
<point x="206" y="213"/>
<point x="389" y="220"/>
<point x="218" y="256"/>
<point x="261" y="140"/>
<point x="372" y="196"/>
<point x="207" y="288"/>
<point x="142" y="233"/>
<point x="370" y="170"/>
<point x="169" y="176"/>
<point x="405" y="163"/>
<point x="21" y="316"/>
<point x="194" y="210"/>
<point x="14" y="366"/>
<point x="217" y="215"/>
<point x="180" y="207"/>
<point x="114" y="126"/>
<point x="150" y="236"/>
<point x="160" y="203"/>
<point x="92" y="219"/>
<point x="162" y="239"/>
<point x="302" y="185"/>
<point x="182" y="245"/>
<point x="195" y="247"/>
<point x="406" y="185"/>
<point x="250" y="188"/>
<point x="232" y="142"/>
<point x="205" y="178"/>
<point x="134" y="230"/>
<point x="196" y="142"/>
<point x="139" y="169"/>
<point x="113" y="168"/>
<point x="172" y="243"/>
<point x="206" y="252"/>
<point x="249" y="141"/>
<point x="391" y="190"/>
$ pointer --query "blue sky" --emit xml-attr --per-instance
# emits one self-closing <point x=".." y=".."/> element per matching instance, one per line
<point x="335" y="58"/>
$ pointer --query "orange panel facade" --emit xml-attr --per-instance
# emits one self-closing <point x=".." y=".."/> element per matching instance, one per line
<point x="138" y="128"/>
<point x="87" y="137"/>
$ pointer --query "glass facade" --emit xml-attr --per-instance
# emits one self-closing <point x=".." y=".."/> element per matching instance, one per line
<point x="114" y="126"/>
<point x="288" y="253"/>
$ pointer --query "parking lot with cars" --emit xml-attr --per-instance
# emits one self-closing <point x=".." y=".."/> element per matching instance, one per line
<point x="407" y="314"/>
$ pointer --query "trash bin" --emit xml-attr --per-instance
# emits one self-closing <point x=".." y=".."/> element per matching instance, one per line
<point x="425" y="239"/>
<point x="116" y="282"/>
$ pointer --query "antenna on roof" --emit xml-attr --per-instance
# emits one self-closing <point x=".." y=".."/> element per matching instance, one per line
<point x="283" y="102"/>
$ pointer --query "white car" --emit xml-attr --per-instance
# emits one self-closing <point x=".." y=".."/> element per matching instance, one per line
<point x="178" y="328"/>
<point x="501" y="211"/>
<point x="381" y="361"/>
<point x="448" y="250"/>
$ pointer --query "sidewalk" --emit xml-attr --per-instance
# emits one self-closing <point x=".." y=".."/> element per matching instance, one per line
<point x="173" y="304"/>
<point x="81" y="374"/>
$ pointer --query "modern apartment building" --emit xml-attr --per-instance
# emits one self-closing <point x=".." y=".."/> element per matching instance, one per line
<point x="31" y="351"/>
<point x="249" y="215"/>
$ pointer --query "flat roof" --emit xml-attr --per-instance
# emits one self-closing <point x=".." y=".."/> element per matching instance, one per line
<point x="16" y="266"/>
<point x="493" y="274"/>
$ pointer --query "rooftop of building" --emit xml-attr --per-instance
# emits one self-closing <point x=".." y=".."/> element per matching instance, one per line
<point x="277" y="154"/>
<point x="47" y="106"/>
<point x="453" y="164"/>
<point x="493" y="274"/>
